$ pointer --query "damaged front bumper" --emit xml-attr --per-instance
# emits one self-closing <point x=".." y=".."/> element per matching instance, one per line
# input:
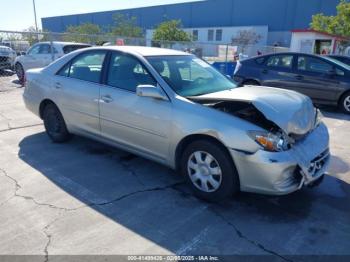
<point x="281" y="173"/>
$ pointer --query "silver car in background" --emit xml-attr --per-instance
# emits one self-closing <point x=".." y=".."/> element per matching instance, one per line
<point x="173" y="108"/>
<point x="42" y="54"/>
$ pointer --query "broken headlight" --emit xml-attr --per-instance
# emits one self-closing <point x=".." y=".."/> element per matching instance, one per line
<point x="318" y="117"/>
<point x="270" y="141"/>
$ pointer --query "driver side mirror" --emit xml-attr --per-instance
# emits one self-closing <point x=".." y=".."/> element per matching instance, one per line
<point x="151" y="91"/>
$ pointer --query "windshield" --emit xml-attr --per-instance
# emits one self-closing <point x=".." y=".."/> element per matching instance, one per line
<point x="190" y="76"/>
<point x="339" y="63"/>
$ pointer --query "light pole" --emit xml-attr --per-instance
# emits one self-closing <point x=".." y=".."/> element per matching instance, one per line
<point x="36" y="23"/>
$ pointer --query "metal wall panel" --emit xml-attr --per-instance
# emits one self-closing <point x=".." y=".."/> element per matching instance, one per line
<point x="278" y="15"/>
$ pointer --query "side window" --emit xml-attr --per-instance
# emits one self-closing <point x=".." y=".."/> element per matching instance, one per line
<point x="126" y="72"/>
<point x="315" y="65"/>
<point x="64" y="71"/>
<point x="34" y="50"/>
<point x="218" y="36"/>
<point x="45" y="49"/>
<point x="284" y="61"/>
<point x="86" y="66"/>
<point x="210" y="35"/>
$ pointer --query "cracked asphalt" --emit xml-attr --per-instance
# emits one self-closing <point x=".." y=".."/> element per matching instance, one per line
<point x="86" y="198"/>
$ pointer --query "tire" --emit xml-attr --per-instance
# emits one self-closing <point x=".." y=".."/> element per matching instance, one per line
<point x="19" y="71"/>
<point x="54" y="124"/>
<point x="251" y="83"/>
<point x="344" y="103"/>
<point x="200" y="176"/>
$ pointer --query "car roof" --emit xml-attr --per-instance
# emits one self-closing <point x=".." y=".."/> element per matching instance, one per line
<point x="64" y="43"/>
<point x="143" y="50"/>
<point x="287" y="53"/>
<point x="344" y="56"/>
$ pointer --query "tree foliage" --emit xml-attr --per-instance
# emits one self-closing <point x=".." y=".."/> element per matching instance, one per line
<point x="84" y="33"/>
<point x="126" y="26"/>
<point x="32" y="36"/>
<point x="170" y="31"/>
<point x="245" y="37"/>
<point x="338" y="24"/>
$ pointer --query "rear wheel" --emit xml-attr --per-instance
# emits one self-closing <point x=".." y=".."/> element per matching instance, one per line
<point x="19" y="71"/>
<point x="251" y="83"/>
<point x="55" y="125"/>
<point x="209" y="171"/>
<point x="344" y="103"/>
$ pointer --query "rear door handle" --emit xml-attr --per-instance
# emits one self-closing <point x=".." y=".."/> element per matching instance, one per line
<point x="58" y="85"/>
<point x="299" y="77"/>
<point x="264" y="71"/>
<point x="107" y="99"/>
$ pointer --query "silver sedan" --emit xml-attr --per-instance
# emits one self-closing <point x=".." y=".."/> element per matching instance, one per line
<point x="174" y="108"/>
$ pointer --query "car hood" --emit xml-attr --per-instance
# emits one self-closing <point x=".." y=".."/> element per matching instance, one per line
<point x="293" y="112"/>
<point x="5" y="50"/>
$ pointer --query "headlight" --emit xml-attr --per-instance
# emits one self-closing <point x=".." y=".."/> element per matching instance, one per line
<point x="319" y="117"/>
<point x="269" y="141"/>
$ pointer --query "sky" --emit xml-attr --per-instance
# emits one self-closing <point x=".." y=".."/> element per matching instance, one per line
<point x="18" y="14"/>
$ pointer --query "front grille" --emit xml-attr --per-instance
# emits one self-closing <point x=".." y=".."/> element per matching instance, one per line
<point x="318" y="163"/>
<point x="4" y="60"/>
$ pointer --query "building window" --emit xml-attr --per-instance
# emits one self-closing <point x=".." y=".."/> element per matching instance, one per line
<point x="218" y="36"/>
<point x="195" y="35"/>
<point x="210" y="35"/>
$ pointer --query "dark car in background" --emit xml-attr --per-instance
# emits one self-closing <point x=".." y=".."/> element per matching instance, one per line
<point x="323" y="79"/>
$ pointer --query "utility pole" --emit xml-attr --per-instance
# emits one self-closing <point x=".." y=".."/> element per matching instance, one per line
<point x="36" y="23"/>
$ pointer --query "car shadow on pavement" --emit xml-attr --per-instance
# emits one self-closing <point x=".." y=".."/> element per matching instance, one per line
<point x="334" y="112"/>
<point x="152" y="201"/>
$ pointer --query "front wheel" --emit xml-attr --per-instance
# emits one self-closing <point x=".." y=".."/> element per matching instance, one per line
<point x="344" y="103"/>
<point x="209" y="170"/>
<point x="54" y="124"/>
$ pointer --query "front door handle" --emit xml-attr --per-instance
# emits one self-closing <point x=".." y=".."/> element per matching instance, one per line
<point x="299" y="77"/>
<point x="106" y="99"/>
<point x="264" y="71"/>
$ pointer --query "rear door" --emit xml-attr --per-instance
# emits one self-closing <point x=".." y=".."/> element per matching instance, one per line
<point x="77" y="91"/>
<point x="278" y="71"/>
<point x="45" y="56"/>
<point x="318" y="79"/>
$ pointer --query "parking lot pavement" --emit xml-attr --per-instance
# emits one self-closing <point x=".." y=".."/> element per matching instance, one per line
<point x="87" y="198"/>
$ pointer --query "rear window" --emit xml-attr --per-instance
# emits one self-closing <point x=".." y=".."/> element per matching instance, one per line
<point x="260" y="60"/>
<point x="283" y="61"/>
<point x="70" y="48"/>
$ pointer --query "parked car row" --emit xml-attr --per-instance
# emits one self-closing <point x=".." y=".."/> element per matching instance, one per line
<point x="326" y="80"/>
<point x="174" y="108"/>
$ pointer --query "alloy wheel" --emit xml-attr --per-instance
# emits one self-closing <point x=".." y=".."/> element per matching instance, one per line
<point x="346" y="103"/>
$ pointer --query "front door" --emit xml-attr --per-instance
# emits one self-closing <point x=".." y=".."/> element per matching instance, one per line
<point x="318" y="79"/>
<point x="139" y="123"/>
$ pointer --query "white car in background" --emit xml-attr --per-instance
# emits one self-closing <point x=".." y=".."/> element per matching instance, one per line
<point x="7" y="57"/>
<point x="41" y="55"/>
